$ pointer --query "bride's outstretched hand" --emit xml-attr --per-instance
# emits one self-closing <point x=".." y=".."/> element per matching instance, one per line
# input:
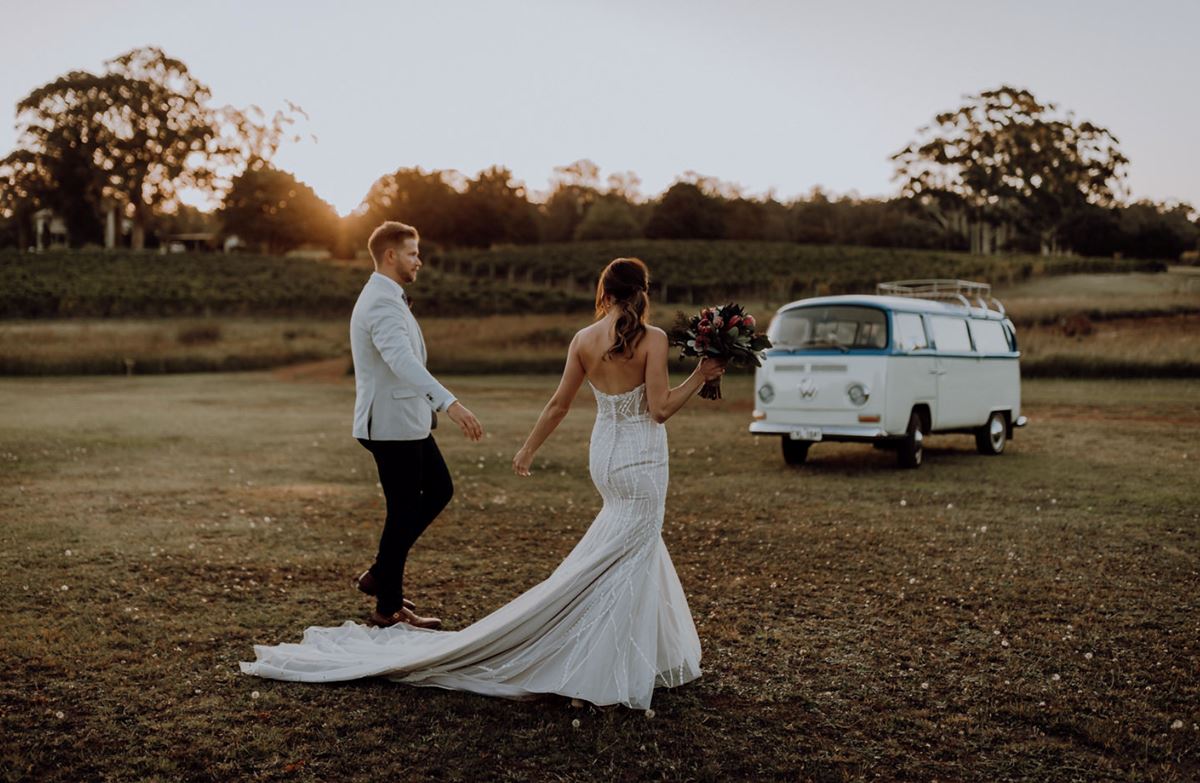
<point x="711" y="368"/>
<point x="522" y="462"/>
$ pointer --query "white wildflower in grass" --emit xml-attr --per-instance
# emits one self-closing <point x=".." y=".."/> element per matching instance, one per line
<point x="949" y="506"/>
<point x="254" y="694"/>
<point x="649" y="713"/>
<point x="575" y="723"/>
<point x="983" y="528"/>
<point x="1055" y="677"/>
<point x="64" y="588"/>
<point x="60" y="715"/>
<point x="903" y="502"/>
<point x="1087" y="656"/>
<point x="1004" y="642"/>
<point x="924" y="686"/>
<point x="267" y="520"/>
<point x="1176" y="726"/>
<point x="67" y="552"/>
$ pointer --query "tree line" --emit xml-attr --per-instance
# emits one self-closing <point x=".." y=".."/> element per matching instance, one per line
<point x="111" y="151"/>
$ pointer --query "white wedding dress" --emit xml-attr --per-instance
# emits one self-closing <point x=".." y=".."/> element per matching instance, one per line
<point x="608" y="626"/>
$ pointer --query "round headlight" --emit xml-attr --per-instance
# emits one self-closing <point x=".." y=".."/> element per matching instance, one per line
<point x="766" y="392"/>
<point x="858" y="394"/>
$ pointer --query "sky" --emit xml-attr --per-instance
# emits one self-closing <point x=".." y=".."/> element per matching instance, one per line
<point x="774" y="96"/>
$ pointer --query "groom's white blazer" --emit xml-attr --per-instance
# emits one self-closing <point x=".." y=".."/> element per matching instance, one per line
<point x="394" y="393"/>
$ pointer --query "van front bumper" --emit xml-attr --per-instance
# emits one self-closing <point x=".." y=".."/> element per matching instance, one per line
<point x="836" y="432"/>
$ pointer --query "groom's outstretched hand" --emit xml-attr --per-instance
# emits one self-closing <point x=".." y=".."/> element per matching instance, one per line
<point x="470" y="425"/>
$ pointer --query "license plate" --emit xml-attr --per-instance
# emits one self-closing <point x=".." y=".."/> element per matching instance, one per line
<point x="806" y="433"/>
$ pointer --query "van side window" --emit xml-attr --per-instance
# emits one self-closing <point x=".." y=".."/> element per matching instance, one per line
<point x="950" y="334"/>
<point x="910" y="332"/>
<point x="989" y="336"/>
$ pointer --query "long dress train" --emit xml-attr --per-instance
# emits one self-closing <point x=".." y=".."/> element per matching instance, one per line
<point x="608" y="626"/>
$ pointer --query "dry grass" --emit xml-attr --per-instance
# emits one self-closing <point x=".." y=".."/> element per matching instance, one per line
<point x="1158" y="346"/>
<point x="1028" y="617"/>
<point x="147" y="346"/>
<point x="1161" y="341"/>
<point x="498" y="343"/>
<point x="1046" y="300"/>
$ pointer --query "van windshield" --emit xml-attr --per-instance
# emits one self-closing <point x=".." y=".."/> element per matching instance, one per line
<point x="843" y="327"/>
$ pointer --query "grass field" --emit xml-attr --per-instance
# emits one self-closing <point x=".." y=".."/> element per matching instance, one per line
<point x="1045" y="300"/>
<point x="1140" y="325"/>
<point x="1028" y="617"/>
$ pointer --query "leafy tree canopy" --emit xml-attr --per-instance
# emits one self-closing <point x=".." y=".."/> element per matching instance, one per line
<point x="143" y="129"/>
<point x="1006" y="157"/>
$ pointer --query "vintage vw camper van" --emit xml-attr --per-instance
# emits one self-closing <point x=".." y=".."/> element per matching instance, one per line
<point x="919" y="357"/>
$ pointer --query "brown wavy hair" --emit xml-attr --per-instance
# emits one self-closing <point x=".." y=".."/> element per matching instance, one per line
<point x="624" y="284"/>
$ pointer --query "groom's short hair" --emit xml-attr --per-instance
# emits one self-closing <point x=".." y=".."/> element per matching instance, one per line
<point x="390" y="233"/>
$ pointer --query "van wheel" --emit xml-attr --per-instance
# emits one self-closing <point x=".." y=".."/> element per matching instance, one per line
<point x="795" y="452"/>
<point x="991" y="437"/>
<point x="912" y="448"/>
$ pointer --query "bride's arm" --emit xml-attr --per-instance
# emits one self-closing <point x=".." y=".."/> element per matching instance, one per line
<point x="554" y="412"/>
<point x="665" y="402"/>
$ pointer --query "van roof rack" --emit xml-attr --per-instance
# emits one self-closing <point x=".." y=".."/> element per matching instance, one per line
<point x="944" y="290"/>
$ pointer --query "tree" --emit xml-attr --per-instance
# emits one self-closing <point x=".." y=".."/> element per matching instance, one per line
<point x="575" y="188"/>
<point x="608" y="218"/>
<point x="144" y="128"/>
<point x="495" y="209"/>
<point x="1004" y="157"/>
<point x="1162" y="231"/>
<point x="62" y="181"/>
<point x="26" y="185"/>
<point x="427" y="201"/>
<point x="271" y="208"/>
<point x="687" y="212"/>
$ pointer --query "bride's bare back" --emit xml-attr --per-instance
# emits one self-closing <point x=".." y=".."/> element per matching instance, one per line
<point x="616" y="374"/>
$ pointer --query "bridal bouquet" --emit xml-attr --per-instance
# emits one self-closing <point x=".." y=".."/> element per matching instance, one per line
<point x="721" y="333"/>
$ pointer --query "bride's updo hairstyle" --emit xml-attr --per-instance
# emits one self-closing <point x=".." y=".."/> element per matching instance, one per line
<point x="623" y="285"/>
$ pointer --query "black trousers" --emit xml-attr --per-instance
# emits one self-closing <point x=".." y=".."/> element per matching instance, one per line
<point x="417" y="486"/>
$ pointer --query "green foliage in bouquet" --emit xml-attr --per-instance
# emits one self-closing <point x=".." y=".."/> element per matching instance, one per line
<point x="725" y="333"/>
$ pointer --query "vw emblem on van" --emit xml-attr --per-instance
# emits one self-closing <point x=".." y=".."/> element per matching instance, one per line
<point x="808" y="389"/>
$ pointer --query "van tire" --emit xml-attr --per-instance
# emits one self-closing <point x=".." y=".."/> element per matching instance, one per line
<point x="912" y="449"/>
<point x="991" y="438"/>
<point x="795" y="452"/>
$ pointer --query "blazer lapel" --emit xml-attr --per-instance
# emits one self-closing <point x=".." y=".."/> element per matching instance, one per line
<point x="420" y="341"/>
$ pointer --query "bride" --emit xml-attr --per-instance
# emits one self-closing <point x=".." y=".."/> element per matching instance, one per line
<point x="611" y="623"/>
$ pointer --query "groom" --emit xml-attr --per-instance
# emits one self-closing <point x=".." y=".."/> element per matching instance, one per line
<point x="395" y="407"/>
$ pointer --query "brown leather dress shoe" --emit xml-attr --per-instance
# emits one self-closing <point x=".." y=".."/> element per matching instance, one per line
<point x="405" y="616"/>
<point x="366" y="583"/>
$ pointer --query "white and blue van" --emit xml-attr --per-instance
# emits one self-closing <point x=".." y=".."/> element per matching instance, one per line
<point x="919" y="357"/>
